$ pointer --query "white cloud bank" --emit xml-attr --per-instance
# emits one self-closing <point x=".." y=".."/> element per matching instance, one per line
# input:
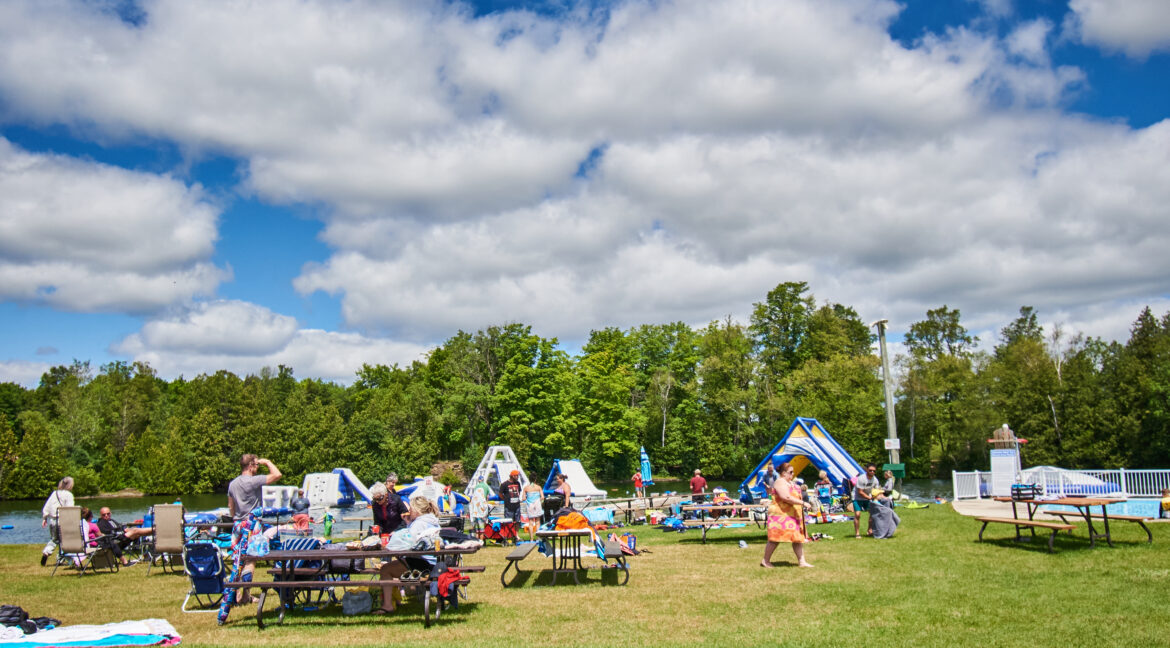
<point x="725" y="146"/>
<point x="1135" y="27"/>
<point x="244" y="338"/>
<point x="82" y="236"/>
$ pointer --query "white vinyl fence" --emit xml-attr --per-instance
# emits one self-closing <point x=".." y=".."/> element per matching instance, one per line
<point x="1133" y="483"/>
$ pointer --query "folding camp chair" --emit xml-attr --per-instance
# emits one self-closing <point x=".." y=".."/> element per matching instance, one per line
<point x="75" y="544"/>
<point x="204" y="567"/>
<point x="168" y="544"/>
<point x="320" y="571"/>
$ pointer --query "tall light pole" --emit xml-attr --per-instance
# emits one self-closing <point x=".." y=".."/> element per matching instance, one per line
<point x="891" y="426"/>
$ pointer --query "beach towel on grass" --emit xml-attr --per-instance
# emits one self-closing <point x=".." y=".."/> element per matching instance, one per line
<point x="147" y="632"/>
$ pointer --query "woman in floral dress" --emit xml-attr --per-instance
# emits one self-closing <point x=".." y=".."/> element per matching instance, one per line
<point x="784" y="517"/>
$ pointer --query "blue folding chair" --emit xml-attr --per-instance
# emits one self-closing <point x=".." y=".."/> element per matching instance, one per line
<point x="204" y="566"/>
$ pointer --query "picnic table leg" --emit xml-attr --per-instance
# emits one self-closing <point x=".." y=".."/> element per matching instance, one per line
<point x="577" y="567"/>
<point x="1105" y="517"/>
<point x="625" y="567"/>
<point x="1147" y="530"/>
<point x="260" y="608"/>
<point x="427" y="608"/>
<point x="984" y="528"/>
<point x="1051" y="538"/>
<point x="1087" y="514"/>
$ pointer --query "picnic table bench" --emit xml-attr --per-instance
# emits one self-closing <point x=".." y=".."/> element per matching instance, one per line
<point x="1021" y="523"/>
<point x="1139" y="519"/>
<point x="566" y="554"/>
<point x="705" y="523"/>
<point x="1083" y="506"/>
<point x="291" y="578"/>
<point x="514" y="557"/>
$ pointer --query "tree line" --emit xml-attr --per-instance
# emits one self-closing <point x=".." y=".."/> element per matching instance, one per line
<point x="716" y="398"/>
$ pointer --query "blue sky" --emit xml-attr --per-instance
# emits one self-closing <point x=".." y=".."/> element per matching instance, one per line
<point x="321" y="183"/>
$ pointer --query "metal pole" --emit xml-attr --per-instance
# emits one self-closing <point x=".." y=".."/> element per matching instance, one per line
<point x="891" y="425"/>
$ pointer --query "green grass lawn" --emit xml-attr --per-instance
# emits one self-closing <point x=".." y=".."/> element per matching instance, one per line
<point x="932" y="585"/>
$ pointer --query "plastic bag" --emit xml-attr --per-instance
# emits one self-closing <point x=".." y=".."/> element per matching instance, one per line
<point x="356" y="602"/>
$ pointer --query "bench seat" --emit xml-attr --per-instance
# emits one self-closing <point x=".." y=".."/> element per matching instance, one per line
<point x="422" y="585"/>
<point x="1139" y="519"/>
<point x="1055" y="527"/>
<point x="706" y="523"/>
<point x="518" y="553"/>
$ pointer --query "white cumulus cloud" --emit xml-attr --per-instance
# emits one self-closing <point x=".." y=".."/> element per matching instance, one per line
<point x="1135" y="27"/>
<point x="244" y="338"/>
<point x="84" y="236"/>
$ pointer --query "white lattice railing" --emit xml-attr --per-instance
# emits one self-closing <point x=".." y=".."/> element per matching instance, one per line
<point x="1134" y="483"/>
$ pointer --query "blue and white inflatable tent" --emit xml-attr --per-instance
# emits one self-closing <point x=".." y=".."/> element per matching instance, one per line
<point x="579" y="483"/>
<point x="806" y="442"/>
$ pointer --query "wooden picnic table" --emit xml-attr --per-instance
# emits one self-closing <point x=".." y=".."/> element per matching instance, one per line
<point x="289" y="577"/>
<point x="1083" y="505"/>
<point x="705" y="522"/>
<point x="566" y="552"/>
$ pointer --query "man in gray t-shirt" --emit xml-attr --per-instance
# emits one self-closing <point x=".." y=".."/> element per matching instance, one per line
<point x="246" y="491"/>
<point x="861" y="496"/>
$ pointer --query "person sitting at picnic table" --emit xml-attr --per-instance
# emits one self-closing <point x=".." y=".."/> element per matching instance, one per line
<point x="121" y="536"/>
<point x="388" y="512"/>
<point x="784" y="518"/>
<point x="424" y="528"/>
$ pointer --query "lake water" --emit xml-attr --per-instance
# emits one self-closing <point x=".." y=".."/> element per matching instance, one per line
<point x="25" y="515"/>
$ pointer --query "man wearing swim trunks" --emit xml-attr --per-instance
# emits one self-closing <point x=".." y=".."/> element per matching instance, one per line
<point x="861" y="496"/>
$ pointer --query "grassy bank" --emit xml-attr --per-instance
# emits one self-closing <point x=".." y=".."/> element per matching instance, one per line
<point x="931" y="585"/>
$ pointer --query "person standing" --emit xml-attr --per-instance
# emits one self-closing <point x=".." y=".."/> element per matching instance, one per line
<point x="785" y="517"/>
<point x="533" y="509"/>
<point x="862" y="494"/>
<point x="565" y="490"/>
<point x="245" y="493"/>
<point x="513" y="494"/>
<point x="300" y="504"/>
<point x="769" y="477"/>
<point x="63" y="496"/>
<point x="698" y="487"/>
<point x="638" y="488"/>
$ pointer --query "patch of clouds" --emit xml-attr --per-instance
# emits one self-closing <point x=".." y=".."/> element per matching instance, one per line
<point x="47" y="350"/>
<point x="25" y="373"/>
<point x="1029" y="41"/>
<point x="1137" y="28"/>
<point x="245" y="338"/>
<point x="743" y="144"/>
<point x="82" y="236"/>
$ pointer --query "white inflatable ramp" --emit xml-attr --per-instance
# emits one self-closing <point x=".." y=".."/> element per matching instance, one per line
<point x="354" y="483"/>
<point x="579" y="481"/>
